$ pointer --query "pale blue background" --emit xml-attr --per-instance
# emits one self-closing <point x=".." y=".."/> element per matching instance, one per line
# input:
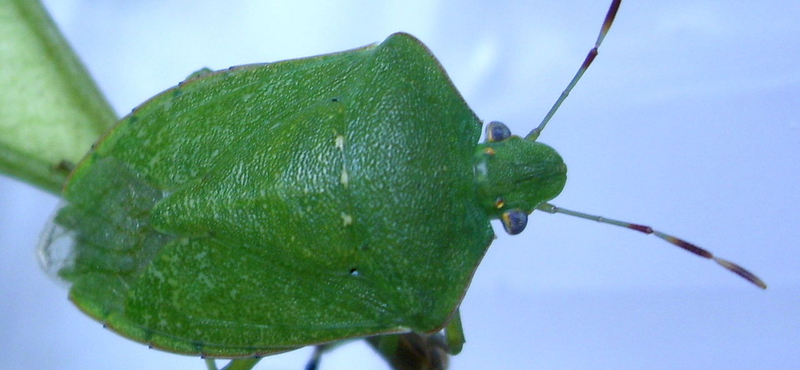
<point x="688" y="121"/>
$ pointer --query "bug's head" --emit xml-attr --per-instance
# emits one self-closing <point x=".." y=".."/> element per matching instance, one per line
<point x="514" y="175"/>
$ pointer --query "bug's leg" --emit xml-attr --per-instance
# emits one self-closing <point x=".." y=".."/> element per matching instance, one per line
<point x="211" y="364"/>
<point x="612" y="12"/>
<point x="319" y="350"/>
<point x="313" y="362"/>
<point x="242" y="363"/>
<point x="739" y="270"/>
<point x="454" y="334"/>
<point x="412" y="351"/>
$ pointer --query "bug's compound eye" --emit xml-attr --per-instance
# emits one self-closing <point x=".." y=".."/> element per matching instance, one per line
<point x="514" y="221"/>
<point x="497" y="131"/>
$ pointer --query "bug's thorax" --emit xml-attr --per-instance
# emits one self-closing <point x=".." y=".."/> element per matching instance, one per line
<point x="516" y="174"/>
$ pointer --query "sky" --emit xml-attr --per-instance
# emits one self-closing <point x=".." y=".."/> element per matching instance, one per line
<point x="689" y="121"/>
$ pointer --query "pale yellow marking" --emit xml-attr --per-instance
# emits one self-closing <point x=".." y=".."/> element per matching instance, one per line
<point x="344" y="179"/>
<point x="347" y="219"/>
<point x="339" y="142"/>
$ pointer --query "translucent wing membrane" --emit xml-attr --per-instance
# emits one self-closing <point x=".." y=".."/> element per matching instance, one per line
<point x="55" y="250"/>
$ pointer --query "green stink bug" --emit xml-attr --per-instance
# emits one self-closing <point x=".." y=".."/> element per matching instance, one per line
<point x="313" y="168"/>
<point x="344" y="218"/>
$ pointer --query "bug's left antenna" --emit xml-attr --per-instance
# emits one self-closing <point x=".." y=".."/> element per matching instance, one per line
<point x="612" y="12"/>
<point x="736" y="269"/>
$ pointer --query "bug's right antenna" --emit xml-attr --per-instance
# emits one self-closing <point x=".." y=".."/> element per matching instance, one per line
<point x="736" y="269"/>
<point x="612" y="12"/>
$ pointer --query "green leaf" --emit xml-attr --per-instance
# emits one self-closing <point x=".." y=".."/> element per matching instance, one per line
<point x="50" y="109"/>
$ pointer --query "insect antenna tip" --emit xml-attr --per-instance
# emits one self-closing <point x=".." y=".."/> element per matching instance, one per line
<point x="741" y="271"/>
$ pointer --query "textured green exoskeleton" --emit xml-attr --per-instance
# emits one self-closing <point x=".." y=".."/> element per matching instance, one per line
<point x="267" y="207"/>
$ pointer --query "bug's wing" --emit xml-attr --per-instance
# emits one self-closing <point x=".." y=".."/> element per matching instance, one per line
<point x="55" y="249"/>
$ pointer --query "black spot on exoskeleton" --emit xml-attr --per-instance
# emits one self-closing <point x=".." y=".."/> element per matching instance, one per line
<point x="335" y="100"/>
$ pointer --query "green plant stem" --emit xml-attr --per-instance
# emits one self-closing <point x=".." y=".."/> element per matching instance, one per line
<point x="51" y="111"/>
